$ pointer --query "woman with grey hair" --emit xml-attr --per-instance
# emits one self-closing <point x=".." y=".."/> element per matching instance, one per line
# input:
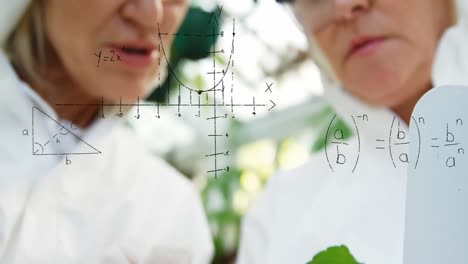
<point x="123" y="205"/>
<point x="377" y="59"/>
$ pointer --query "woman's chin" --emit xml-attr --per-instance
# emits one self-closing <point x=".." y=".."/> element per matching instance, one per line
<point x="128" y="90"/>
<point x="377" y="92"/>
<point x="129" y="96"/>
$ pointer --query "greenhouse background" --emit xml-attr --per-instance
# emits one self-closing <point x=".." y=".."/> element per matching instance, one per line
<point x="272" y="63"/>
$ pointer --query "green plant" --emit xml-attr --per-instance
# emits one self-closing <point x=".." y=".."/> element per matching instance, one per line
<point x="224" y="219"/>
<point x="189" y="48"/>
<point x="334" y="255"/>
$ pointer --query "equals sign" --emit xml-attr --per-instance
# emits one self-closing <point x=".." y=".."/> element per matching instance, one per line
<point x="435" y="146"/>
<point x="380" y="140"/>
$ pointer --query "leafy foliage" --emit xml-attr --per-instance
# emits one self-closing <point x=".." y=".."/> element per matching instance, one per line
<point x="191" y="48"/>
<point x="334" y="255"/>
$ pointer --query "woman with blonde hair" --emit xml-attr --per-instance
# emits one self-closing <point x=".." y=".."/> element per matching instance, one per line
<point x="377" y="59"/>
<point x="121" y="206"/>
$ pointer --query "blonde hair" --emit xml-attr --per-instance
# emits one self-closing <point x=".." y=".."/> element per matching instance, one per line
<point x="26" y="45"/>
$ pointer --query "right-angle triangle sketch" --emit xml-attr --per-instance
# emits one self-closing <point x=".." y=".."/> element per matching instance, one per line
<point x="62" y="142"/>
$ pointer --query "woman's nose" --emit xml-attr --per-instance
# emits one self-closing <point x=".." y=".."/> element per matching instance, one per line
<point x="349" y="9"/>
<point x="144" y="13"/>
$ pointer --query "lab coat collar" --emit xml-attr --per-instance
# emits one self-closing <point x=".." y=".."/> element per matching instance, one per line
<point x="17" y="99"/>
<point x="348" y="106"/>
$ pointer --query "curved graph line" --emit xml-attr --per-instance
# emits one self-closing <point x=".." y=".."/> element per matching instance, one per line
<point x="171" y="70"/>
<point x="359" y="144"/>
<point x="390" y="142"/>
<point x="326" y="141"/>
<point x="419" y="142"/>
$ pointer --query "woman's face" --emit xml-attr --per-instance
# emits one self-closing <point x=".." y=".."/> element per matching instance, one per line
<point x="382" y="50"/>
<point x="125" y="35"/>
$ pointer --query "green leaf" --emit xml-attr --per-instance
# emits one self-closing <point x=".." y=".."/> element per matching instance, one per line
<point x="334" y="255"/>
<point x="187" y="45"/>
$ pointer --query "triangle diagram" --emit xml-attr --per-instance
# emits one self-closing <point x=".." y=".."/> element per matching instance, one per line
<point x="61" y="142"/>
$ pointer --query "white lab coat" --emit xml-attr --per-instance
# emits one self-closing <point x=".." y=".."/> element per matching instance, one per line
<point x="121" y="206"/>
<point x="311" y="208"/>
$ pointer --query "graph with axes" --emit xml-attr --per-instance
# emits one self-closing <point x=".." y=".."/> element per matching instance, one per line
<point x="204" y="103"/>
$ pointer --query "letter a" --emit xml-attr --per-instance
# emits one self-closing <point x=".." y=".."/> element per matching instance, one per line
<point x="404" y="158"/>
<point x="451" y="162"/>
<point x="341" y="136"/>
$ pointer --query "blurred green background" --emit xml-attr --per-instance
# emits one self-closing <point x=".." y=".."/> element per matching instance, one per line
<point x="270" y="50"/>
